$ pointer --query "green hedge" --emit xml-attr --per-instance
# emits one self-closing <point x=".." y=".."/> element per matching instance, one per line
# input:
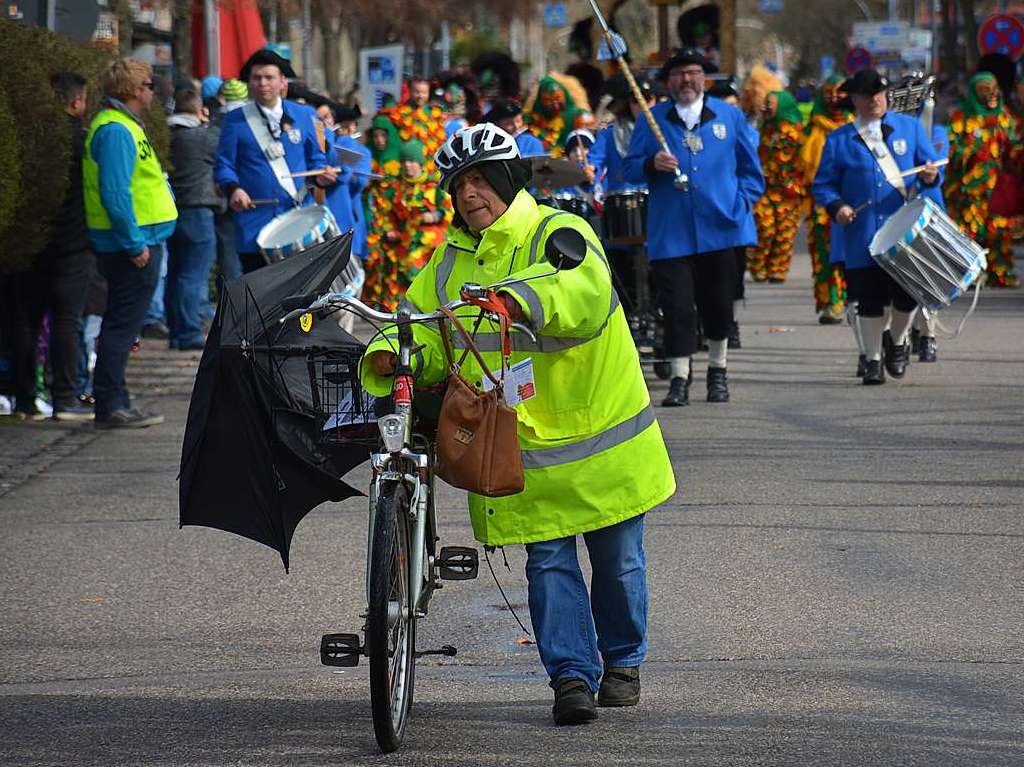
<point x="9" y="164"/>
<point x="36" y="159"/>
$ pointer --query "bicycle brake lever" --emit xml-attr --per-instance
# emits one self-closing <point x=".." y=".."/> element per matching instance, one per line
<point x="524" y="329"/>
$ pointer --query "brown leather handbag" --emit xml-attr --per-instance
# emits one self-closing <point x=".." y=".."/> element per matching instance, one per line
<point x="477" y="443"/>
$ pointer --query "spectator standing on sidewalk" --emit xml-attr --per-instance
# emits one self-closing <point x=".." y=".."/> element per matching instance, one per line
<point x="192" y="248"/>
<point x="130" y="212"/>
<point x="58" y="282"/>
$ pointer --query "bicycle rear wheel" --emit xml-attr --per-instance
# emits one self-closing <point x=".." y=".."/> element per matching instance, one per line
<point x="391" y="623"/>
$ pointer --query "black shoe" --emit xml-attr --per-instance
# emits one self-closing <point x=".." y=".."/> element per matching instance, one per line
<point x="574" y="702"/>
<point x="927" y="351"/>
<point x="155" y="330"/>
<point x="678" y="393"/>
<point x="128" y="419"/>
<point x="718" y="385"/>
<point x="874" y="373"/>
<point x="897" y="356"/>
<point x="915" y="341"/>
<point x="72" y="411"/>
<point x="620" y="686"/>
<point x="862" y="366"/>
<point x="734" y="336"/>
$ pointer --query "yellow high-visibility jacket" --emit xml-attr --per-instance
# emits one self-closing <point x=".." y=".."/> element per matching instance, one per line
<point x="592" y="449"/>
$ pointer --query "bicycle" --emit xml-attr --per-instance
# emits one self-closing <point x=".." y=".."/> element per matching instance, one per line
<point x="403" y="565"/>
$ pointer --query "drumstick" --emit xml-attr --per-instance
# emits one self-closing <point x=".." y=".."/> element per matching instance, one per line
<point x="263" y="202"/>
<point x="919" y="168"/>
<point x="305" y="173"/>
<point x="861" y="207"/>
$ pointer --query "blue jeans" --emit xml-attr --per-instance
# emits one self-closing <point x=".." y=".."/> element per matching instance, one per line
<point x="129" y="291"/>
<point x="156" y="311"/>
<point x="90" y="332"/>
<point x="575" y="630"/>
<point x="191" y="251"/>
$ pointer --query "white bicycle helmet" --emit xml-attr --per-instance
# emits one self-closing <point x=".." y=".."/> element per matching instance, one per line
<point x="472" y="146"/>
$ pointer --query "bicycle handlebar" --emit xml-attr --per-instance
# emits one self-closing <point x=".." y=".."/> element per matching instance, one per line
<point x="309" y="303"/>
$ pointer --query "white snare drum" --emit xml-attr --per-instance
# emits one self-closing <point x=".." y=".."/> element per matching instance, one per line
<point x="924" y="251"/>
<point x="296" y="230"/>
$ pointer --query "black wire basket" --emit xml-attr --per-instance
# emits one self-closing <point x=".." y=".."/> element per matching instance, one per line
<point x="346" y="410"/>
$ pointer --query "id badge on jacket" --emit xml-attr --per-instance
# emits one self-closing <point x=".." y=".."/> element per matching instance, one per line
<point x="519" y="383"/>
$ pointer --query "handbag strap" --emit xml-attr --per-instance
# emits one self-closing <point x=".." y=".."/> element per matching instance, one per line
<point x="470" y="345"/>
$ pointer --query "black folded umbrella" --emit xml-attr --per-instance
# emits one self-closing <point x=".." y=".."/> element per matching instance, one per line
<point x="254" y="460"/>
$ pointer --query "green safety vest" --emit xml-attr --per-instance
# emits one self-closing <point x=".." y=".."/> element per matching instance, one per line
<point x="152" y="200"/>
<point x="592" y="449"/>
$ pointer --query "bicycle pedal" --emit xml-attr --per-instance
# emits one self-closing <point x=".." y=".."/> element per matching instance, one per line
<point x="340" y="650"/>
<point x="458" y="563"/>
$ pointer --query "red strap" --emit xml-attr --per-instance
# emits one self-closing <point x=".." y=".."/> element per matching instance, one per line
<point x="495" y="305"/>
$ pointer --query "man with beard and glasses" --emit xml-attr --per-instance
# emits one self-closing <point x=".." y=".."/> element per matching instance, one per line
<point x="694" y="228"/>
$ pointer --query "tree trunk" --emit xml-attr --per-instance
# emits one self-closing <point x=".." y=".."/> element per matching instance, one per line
<point x="950" y="63"/>
<point x="183" y="38"/>
<point x="329" y="21"/>
<point x="970" y="35"/>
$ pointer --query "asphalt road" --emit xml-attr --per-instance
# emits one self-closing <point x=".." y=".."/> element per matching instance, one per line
<point x="838" y="581"/>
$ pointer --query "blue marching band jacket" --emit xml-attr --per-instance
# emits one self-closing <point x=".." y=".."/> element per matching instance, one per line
<point x="345" y="198"/>
<point x="610" y="164"/>
<point x="850" y="175"/>
<point x="725" y="180"/>
<point x="242" y="163"/>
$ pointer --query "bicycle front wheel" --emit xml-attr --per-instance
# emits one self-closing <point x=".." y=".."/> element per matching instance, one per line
<point x="391" y="622"/>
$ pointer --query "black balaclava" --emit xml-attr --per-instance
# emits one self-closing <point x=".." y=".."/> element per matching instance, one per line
<point x="508" y="177"/>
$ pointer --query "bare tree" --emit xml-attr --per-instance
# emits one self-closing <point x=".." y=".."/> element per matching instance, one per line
<point x="823" y="32"/>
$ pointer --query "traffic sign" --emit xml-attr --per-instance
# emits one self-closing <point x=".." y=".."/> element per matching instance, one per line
<point x="858" y="58"/>
<point x="1002" y="34"/>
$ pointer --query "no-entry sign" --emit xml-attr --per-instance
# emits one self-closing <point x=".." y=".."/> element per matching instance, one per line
<point x="1002" y="34"/>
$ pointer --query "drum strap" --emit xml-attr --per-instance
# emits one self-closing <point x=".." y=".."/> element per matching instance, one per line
<point x="880" y="151"/>
<point x="273" y="151"/>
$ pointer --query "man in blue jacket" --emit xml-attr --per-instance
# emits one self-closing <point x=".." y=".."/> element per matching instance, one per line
<point x="507" y="114"/>
<point x="357" y="183"/>
<point x="692" y="232"/>
<point x="130" y="212"/>
<point x="260" y="145"/>
<point x="860" y="171"/>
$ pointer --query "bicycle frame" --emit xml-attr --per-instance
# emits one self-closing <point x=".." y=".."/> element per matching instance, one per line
<point x="409" y="466"/>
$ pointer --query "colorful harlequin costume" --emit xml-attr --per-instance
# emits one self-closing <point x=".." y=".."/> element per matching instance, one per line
<point x="759" y="83"/>
<point x="558" y="107"/>
<point x="828" y="280"/>
<point x="411" y="216"/>
<point x="778" y="211"/>
<point x="425" y="124"/>
<point x="984" y="143"/>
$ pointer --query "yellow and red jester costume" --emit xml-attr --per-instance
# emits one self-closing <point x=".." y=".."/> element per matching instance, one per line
<point x="984" y="150"/>
<point x="778" y="211"/>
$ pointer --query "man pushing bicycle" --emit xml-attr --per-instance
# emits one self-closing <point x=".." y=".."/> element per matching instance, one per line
<point x="594" y="458"/>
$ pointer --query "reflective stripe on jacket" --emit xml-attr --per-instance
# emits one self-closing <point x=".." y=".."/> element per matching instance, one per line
<point x="592" y="448"/>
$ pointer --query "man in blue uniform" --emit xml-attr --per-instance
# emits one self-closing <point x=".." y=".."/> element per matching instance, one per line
<point x="507" y="114"/>
<point x="260" y="144"/>
<point x="860" y="170"/>
<point x="692" y="232"/>
<point x="607" y="159"/>
<point x="357" y="184"/>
